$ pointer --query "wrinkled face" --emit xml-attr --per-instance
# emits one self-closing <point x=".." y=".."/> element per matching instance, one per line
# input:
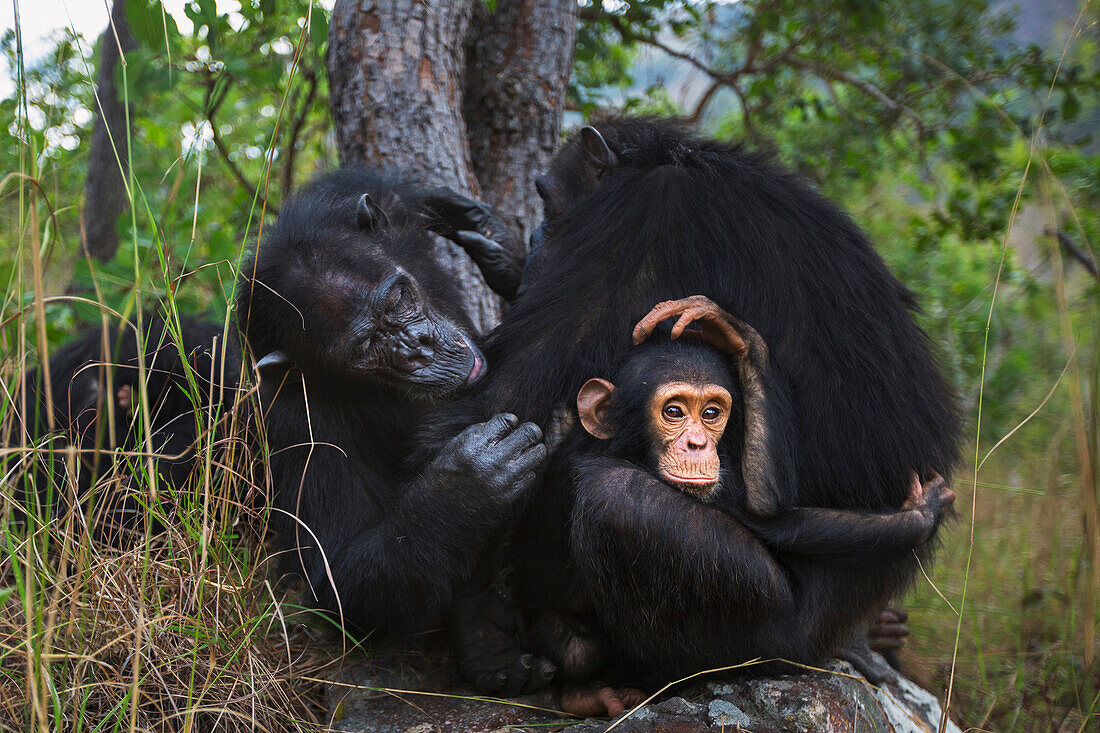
<point x="395" y="338"/>
<point x="686" y="421"/>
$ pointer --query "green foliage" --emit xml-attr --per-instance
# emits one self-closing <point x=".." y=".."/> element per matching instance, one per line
<point x="224" y="114"/>
<point x="918" y="115"/>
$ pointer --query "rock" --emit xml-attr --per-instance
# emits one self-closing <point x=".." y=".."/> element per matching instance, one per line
<point x="722" y="713"/>
<point x="677" y="706"/>
<point x="372" y="697"/>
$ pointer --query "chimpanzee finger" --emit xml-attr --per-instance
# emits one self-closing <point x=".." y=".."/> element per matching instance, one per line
<point x="499" y="426"/>
<point x="916" y="492"/>
<point x="490" y="681"/>
<point x="525" y="466"/>
<point x="879" y="643"/>
<point x="892" y="616"/>
<point x="518" y="674"/>
<point x="686" y="319"/>
<point x="657" y="314"/>
<point x="890" y="631"/>
<point x="475" y="242"/>
<point x="453" y="207"/>
<point x="523" y="437"/>
<point x="541" y="675"/>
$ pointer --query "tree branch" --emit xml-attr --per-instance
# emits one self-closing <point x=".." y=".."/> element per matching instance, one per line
<point x="223" y="151"/>
<point x="704" y="100"/>
<point x="1083" y="256"/>
<point x="290" y="149"/>
<point x="866" y="87"/>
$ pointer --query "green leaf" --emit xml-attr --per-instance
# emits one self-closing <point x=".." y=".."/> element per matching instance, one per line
<point x="151" y="24"/>
<point x="1071" y="107"/>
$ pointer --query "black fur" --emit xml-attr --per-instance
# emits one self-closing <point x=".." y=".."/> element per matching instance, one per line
<point x="678" y="216"/>
<point x="80" y="373"/>
<point x="666" y="216"/>
<point x="359" y="335"/>
<point x="663" y="584"/>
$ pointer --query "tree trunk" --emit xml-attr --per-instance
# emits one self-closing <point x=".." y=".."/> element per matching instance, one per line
<point x="105" y="187"/>
<point x="399" y="87"/>
<point x="518" y="69"/>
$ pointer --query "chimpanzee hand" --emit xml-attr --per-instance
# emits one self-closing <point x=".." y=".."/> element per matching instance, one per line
<point x="485" y="634"/>
<point x="715" y="326"/>
<point x="932" y="500"/>
<point x="889" y="630"/>
<point x="496" y="461"/>
<point x="478" y="230"/>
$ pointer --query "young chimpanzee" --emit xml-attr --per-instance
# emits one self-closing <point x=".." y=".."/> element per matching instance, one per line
<point x="658" y="569"/>
<point x="95" y="387"/>
<point x="358" y="335"/>
<point x="643" y="211"/>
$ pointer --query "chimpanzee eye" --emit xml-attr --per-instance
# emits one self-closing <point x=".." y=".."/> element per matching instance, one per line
<point x="711" y="413"/>
<point x="672" y="412"/>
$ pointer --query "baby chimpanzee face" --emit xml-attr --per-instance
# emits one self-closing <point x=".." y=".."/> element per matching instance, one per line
<point x="686" y="421"/>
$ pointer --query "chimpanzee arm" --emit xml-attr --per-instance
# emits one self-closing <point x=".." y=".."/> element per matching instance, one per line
<point x="478" y="229"/>
<point x="395" y="565"/>
<point x="632" y="532"/>
<point x="855" y="536"/>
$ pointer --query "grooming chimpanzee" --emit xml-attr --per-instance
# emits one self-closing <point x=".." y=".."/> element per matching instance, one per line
<point x="95" y="386"/>
<point x="651" y="565"/>
<point x="641" y="212"/>
<point x="358" y="334"/>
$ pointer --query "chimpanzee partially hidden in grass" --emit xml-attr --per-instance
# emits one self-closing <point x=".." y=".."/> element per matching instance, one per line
<point x="652" y="567"/>
<point x="358" y="335"/>
<point x="95" y="385"/>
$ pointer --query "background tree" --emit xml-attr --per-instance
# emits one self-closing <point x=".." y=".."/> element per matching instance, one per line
<point x="109" y="163"/>
<point x="464" y="94"/>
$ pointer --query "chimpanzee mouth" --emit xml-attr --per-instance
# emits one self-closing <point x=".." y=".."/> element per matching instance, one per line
<point x="477" y="370"/>
<point x="701" y="481"/>
<point x="694" y="480"/>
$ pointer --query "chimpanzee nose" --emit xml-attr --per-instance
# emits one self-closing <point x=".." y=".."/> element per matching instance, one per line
<point x="696" y="439"/>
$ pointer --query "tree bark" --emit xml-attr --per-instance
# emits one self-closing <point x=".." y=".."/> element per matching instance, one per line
<point x="517" y="71"/>
<point x="396" y="70"/>
<point x="105" y="186"/>
<point x="402" y="97"/>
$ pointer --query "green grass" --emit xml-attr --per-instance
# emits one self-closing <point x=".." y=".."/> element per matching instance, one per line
<point x="1020" y="659"/>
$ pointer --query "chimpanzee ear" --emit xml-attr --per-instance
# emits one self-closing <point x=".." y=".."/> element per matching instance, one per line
<point x="597" y="156"/>
<point x="271" y="361"/>
<point x="594" y="408"/>
<point x="369" y="215"/>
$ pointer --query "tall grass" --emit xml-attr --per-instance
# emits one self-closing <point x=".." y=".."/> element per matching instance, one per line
<point x="178" y="625"/>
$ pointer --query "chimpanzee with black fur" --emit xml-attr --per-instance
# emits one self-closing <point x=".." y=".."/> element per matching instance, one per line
<point x="640" y="212"/>
<point x="618" y="590"/>
<point x="95" y="387"/>
<point x="358" y="335"/>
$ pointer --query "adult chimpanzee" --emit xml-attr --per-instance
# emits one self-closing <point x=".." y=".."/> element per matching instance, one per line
<point x="95" y="387"/>
<point x="642" y="211"/>
<point x="358" y="335"/>
<point x="651" y="563"/>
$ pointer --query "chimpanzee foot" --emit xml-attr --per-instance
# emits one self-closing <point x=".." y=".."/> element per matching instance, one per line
<point x="867" y="663"/>
<point x="596" y="700"/>
<point x="485" y="635"/>
<point x="887" y="636"/>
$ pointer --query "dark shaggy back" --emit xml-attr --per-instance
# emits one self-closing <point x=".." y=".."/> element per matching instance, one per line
<point x="681" y="216"/>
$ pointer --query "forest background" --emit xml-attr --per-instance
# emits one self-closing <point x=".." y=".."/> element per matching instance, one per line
<point x="962" y="134"/>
